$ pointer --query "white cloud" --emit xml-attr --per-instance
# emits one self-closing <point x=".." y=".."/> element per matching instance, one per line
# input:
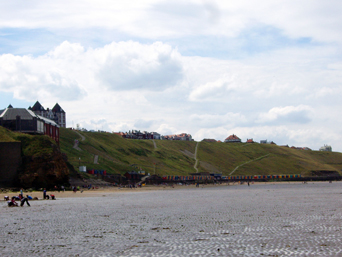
<point x="130" y="65"/>
<point x="289" y="114"/>
<point x="154" y="19"/>
<point x="70" y="72"/>
<point x="216" y="120"/>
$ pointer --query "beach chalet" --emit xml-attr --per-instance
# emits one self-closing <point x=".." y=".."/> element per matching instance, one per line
<point x="232" y="139"/>
<point x="26" y="121"/>
<point x="133" y="175"/>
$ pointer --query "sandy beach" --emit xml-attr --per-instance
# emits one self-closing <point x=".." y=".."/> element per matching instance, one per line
<point x="100" y="191"/>
<point x="273" y="219"/>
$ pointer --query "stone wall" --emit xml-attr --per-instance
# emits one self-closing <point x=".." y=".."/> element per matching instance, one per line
<point x="10" y="160"/>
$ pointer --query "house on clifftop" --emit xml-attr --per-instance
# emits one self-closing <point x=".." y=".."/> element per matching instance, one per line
<point x="232" y="139"/>
<point x="26" y="121"/>
<point x="57" y="114"/>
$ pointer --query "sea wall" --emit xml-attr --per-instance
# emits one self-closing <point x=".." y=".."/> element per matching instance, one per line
<point x="10" y="161"/>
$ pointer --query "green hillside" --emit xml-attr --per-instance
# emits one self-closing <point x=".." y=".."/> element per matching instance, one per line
<point x="118" y="155"/>
<point x="42" y="165"/>
<point x="266" y="159"/>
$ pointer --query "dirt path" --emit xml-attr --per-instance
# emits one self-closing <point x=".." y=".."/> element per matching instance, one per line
<point x="77" y="142"/>
<point x="248" y="162"/>
<point x="154" y="143"/>
<point x="196" y="160"/>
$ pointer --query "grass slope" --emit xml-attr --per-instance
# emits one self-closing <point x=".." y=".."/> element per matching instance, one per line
<point x="118" y="155"/>
<point x="265" y="159"/>
<point x="31" y="145"/>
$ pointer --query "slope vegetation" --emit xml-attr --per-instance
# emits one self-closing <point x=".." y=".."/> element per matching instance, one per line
<point x="43" y="165"/>
<point x="118" y="155"/>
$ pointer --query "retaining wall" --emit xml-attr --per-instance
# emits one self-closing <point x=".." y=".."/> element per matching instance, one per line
<point x="10" y="161"/>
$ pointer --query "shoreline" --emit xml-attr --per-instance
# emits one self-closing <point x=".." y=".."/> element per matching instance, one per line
<point x="104" y="191"/>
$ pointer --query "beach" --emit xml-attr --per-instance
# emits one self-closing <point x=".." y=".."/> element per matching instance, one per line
<point x="264" y="219"/>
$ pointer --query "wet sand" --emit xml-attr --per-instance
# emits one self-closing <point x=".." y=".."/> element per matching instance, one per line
<point x="261" y="220"/>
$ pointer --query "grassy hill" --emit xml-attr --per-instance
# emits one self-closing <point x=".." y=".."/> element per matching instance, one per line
<point x="43" y="165"/>
<point x="266" y="159"/>
<point x="118" y="155"/>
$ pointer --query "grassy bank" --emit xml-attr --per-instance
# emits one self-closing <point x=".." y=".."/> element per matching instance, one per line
<point x="118" y="155"/>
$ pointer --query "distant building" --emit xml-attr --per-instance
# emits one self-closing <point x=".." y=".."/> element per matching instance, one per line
<point x="155" y="135"/>
<point x="183" y="137"/>
<point x="26" y="121"/>
<point x="326" y="148"/>
<point x="57" y="114"/>
<point x="136" y="134"/>
<point x="267" y="142"/>
<point x="232" y="139"/>
<point x="250" y="140"/>
<point x="301" y="148"/>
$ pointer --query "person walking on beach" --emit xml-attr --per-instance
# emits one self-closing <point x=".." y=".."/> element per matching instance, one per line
<point x="44" y="193"/>
<point x="22" y="192"/>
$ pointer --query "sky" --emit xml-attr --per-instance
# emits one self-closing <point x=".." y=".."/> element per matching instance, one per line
<point x="258" y="69"/>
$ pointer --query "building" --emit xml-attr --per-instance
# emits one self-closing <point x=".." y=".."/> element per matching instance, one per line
<point x="250" y="140"/>
<point x="267" y="142"/>
<point x="326" y="148"/>
<point x="182" y="136"/>
<point x="155" y="135"/>
<point x="232" y="139"/>
<point x="26" y="121"/>
<point x="136" y="134"/>
<point x="57" y="114"/>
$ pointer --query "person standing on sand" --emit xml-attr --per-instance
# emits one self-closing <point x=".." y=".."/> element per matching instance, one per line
<point x="44" y="193"/>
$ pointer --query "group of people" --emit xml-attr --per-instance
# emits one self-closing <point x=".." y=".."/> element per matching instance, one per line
<point x="47" y="197"/>
<point x="21" y="198"/>
<point x="12" y="202"/>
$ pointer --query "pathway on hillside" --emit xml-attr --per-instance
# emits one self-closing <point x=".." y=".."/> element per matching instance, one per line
<point x="196" y="160"/>
<point x="259" y="158"/>
<point x="96" y="159"/>
<point x="154" y="143"/>
<point x="76" y="142"/>
<point x="82" y="137"/>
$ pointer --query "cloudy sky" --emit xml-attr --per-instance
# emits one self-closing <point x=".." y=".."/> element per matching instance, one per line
<point x="259" y="69"/>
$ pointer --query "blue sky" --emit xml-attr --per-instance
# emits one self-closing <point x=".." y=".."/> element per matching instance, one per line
<point x="267" y="70"/>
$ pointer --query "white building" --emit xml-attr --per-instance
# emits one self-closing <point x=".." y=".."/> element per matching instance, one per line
<point x="326" y="148"/>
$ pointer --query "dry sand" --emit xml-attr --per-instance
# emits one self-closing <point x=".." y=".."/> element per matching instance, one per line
<point x="100" y="191"/>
